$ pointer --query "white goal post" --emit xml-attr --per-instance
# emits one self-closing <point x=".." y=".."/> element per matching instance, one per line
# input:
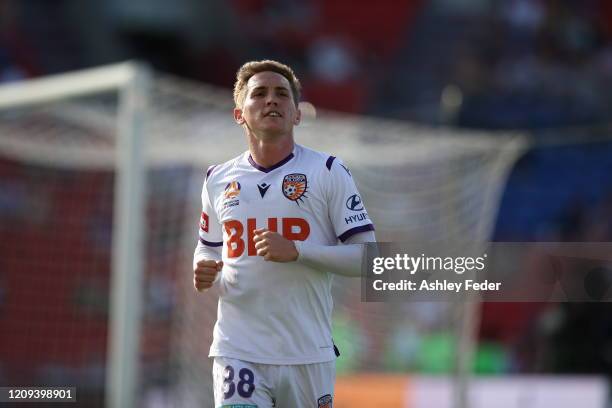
<point x="132" y="81"/>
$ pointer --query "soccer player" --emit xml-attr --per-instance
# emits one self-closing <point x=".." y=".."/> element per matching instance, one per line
<point x="272" y="220"/>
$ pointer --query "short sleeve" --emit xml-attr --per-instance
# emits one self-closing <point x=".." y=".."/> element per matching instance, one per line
<point x="347" y="210"/>
<point x="210" y="232"/>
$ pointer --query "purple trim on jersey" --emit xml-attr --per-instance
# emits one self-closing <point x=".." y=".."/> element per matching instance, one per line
<point x="211" y="244"/>
<point x="269" y="169"/>
<point x="210" y="170"/>
<point x="329" y="162"/>
<point x="356" y="230"/>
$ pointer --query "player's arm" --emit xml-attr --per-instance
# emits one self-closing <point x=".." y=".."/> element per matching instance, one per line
<point x="345" y="259"/>
<point x="207" y="262"/>
<point x="206" y="266"/>
<point x="351" y="223"/>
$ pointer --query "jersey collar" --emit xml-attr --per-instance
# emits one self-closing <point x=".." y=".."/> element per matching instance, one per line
<point x="275" y="166"/>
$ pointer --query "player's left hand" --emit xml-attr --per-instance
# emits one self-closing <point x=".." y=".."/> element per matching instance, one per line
<point x="274" y="247"/>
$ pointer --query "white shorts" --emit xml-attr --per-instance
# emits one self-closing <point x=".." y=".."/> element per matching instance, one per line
<point x="240" y="384"/>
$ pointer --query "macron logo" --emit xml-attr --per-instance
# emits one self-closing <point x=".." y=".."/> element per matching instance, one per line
<point x="263" y="187"/>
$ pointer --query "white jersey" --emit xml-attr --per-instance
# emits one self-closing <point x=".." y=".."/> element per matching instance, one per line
<point x="270" y="312"/>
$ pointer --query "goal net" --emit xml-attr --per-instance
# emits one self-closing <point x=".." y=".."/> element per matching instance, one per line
<point x="63" y="152"/>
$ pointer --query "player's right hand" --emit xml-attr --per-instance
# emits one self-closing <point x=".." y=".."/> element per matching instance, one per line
<point x="205" y="274"/>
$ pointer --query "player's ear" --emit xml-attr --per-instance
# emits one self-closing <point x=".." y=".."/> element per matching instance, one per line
<point x="238" y="116"/>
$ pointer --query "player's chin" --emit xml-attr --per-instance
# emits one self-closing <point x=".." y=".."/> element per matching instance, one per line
<point x="271" y="132"/>
<point x="271" y="125"/>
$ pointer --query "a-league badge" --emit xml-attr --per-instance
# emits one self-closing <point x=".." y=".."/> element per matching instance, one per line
<point x="232" y="190"/>
<point x="294" y="186"/>
<point x="325" y="401"/>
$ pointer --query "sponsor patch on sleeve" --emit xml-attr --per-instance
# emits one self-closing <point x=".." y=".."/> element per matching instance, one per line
<point x="354" y="203"/>
<point x="204" y="222"/>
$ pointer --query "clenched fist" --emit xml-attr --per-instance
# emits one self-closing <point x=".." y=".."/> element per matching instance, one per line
<point x="205" y="273"/>
<point x="274" y="247"/>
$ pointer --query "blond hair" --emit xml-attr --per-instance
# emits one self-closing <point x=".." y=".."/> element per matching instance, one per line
<point x="254" y="67"/>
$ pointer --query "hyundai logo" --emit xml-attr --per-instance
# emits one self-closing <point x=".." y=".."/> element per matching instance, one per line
<point x="354" y="203"/>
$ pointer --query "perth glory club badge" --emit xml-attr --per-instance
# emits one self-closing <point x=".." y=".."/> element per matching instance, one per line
<point x="295" y="186"/>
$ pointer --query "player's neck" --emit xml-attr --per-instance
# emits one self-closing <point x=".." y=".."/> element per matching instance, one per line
<point x="267" y="153"/>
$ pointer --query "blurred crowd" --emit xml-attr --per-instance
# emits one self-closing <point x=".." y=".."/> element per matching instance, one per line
<point x="484" y="64"/>
<point x="537" y="63"/>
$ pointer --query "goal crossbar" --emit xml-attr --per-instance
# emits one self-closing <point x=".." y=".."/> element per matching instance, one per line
<point x="64" y="86"/>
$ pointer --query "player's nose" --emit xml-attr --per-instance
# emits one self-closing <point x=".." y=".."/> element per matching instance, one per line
<point x="271" y="100"/>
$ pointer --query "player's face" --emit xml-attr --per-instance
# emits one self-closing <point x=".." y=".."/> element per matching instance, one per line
<point x="268" y="109"/>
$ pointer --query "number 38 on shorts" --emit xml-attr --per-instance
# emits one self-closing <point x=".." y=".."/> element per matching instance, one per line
<point x="244" y="385"/>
